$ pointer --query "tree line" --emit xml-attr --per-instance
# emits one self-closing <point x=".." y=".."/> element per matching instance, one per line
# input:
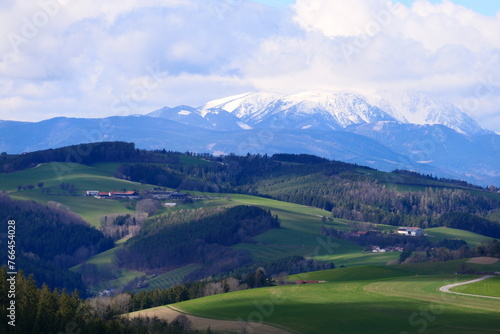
<point x="42" y="310"/>
<point x="469" y="222"/>
<point x="433" y="254"/>
<point x="87" y="154"/>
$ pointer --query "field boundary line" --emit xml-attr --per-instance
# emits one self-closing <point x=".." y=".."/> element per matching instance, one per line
<point x="265" y="328"/>
<point x="447" y="288"/>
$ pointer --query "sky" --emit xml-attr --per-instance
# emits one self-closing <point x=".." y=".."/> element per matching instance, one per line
<point x="79" y="58"/>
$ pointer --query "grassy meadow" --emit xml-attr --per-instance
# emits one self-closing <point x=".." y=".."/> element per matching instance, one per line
<point x="368" y="299"/>
<point x="440" y="233"/>
<point x="489" y="287"/>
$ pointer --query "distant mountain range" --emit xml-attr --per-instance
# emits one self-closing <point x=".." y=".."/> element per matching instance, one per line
<point x="392" y="131"/>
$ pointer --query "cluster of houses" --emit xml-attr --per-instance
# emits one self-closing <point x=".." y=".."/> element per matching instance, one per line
<point x="113" y="194"/>
<point x="172" y="195"/>
<point x="377" y="249"/>
<point x="408" y="231"/>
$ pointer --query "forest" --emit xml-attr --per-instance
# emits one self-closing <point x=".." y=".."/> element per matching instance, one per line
<point x="50" y="240"/>
<point x="164" y="244"/>
<point x="42" y="310"/>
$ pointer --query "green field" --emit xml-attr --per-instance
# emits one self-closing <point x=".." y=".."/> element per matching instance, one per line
<point x="489" y="287"/>
<point x="362" y="273"/>
<point x="386" y="300"/>
<point x="440" y="233"/>
<point x="448" y="267"/>
<point x="83" y="177"/>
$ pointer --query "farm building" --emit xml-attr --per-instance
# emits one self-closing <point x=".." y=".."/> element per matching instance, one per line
<point x="411" y="231"/>
<point x="176" y="195"/>
<point x="126" y="194"/>
<point x="113" y="194"/>
<point x="160" y="194"/>
<point x="377" y="249"/>
<point x="170" y="205"/>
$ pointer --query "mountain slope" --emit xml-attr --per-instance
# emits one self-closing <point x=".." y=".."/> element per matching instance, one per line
<point x="417" y="108"/>
<point x="439" y="145"/>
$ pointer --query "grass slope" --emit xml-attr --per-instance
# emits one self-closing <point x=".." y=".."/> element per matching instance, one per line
<point x="397" y="305"/>
<point x="489" y="287"/>
<point x="83" y="177"/>
<point x="448" y="267"/>
<point x="388" y="300"/>
<point x="361" y="273"/>
<point x="472" y="239"/>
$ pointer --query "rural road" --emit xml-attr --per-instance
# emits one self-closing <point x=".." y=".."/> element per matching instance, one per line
<point x="447" y="288"/>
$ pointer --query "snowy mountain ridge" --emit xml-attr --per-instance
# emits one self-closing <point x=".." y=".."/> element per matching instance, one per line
<point x="325" y="110"/>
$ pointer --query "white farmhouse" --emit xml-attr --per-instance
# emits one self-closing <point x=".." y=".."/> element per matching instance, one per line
<point x="411" y="231"/>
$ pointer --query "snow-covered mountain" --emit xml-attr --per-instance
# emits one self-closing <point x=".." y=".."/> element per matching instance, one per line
<point x="307" y="110"/>
<point x="324" y="110"/>
<point x="390" y="131"/>
<point x="417" y="108"/>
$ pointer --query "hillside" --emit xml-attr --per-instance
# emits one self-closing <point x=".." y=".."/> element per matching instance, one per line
<point x="305" y="192"/>
<point x="353" y="300"/>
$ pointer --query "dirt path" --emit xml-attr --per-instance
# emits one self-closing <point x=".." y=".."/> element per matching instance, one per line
<point x="483" y="260"/>
<point x="169" y="313"/>
<point x="447" y="288"/>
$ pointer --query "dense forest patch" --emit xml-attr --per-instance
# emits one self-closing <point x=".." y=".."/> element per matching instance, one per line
<point x="163" y="244"/>
<point x="49" y="239"/>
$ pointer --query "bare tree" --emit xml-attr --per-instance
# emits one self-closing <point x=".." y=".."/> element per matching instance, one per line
<point x="184" y="322"/>
<point x="233" y="284"/>
<point x="121" y="303"/>
<point x="100" y="305"/>
<point x="148" y="206"/>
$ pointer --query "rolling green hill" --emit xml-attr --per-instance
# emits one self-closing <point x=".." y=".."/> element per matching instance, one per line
<point x="440" y="233"/>
<point x="361" y="273"/>
<point x="388" y="300"/>
<point x="489" y="287"/>
<point x="359" y="193"/>
<point x="82" y="177"/>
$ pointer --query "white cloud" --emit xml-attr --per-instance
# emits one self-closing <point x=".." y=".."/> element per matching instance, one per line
<point x="89" y="56"/>
<point x="441" y="49"/>
<point x="346" y="18"/>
